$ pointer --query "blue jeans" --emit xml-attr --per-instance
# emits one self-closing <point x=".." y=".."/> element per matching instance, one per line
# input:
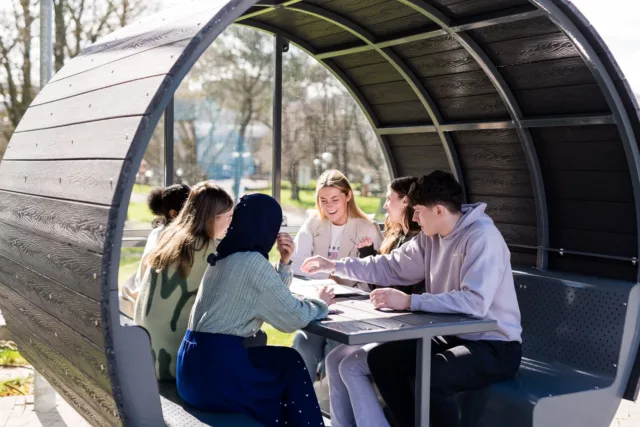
<point x="313" y="349"/>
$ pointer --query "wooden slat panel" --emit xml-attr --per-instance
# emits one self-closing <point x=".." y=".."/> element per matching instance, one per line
<point x="156" y="62"/>
<point x="389" y="93"/>
<point x="73" y="309"/>
<point x="491" y="136"/>
<point x="509" y="210"/>
<point x="489" y="183"/>
<point x="426" y="157"/>
<point x="583" y="99"/>
<point x="411" y="23"/>
<point x="418" y="172"/>
<point x="576" y="134"/>
<point x="459" y="85"/>
<point x="83" y="393"/>
<point x="359" y="59"/>
<point x="286" y="19"/>
<point x="514" y="30"/>
<point x="532" y="49"/>
<point x="442" y="64"/>
<point x="588" y="185"/>
<point x="585" y="156"/>
<point x="588" y="216"/>
<point x="522" y="259"/>
<point x="414" y="139"/>
<point x="427" y="46"/>
<point x="406" y="113"/>
<point x="374" y="74"/>
<point x="87" y="356"/>
<point x="98" y="105"/>
<point x="338" y="38"/>
<point x="65" y="264"/>
<point x="625" y="245"/>
<point x="485" y="107"/>
<point x="492" y="157"/>
<point x="92" y="181"/>
<point x="477" y="7"/>
<point x="74" y="223"/>
<point x="549" y="74"/>
<point x="519" y="234"/>
<point x="101" y="139"/>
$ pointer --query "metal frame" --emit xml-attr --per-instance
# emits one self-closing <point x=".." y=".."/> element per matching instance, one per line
<point x="607" y="86"/>
<point x="531" y="156"/>
<point x="169" y="142"/>
<point x="343" y="78"/>
<point x="267" y="9"/>
<point x="406" y="73"/>
<point x="278" y="47"/>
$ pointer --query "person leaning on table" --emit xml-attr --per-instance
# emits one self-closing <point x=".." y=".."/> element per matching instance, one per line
<point x="465" y="263"/>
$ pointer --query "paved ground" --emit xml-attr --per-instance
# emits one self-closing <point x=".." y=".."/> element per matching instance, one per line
<point x="18" y="412"/>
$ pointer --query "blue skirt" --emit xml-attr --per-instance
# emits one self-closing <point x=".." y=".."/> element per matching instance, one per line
<point x="216" y="373"/>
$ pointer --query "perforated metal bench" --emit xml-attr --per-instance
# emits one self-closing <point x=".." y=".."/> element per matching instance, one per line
<point x="576" y="337"/>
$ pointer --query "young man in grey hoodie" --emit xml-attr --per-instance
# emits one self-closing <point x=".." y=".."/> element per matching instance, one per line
<point x="465" y="263"/>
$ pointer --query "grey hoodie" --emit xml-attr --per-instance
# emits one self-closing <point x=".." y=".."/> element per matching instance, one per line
<point x="468" y="272"/>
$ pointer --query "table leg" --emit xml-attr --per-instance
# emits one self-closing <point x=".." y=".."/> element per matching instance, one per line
<point x="423" y="381"/>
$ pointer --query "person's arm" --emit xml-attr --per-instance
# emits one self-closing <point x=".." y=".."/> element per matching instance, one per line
<point x="485" y="261"/>
<point x="278" y="307"/>
<point x="285" y="273"/>
<point x="367" y="251"/>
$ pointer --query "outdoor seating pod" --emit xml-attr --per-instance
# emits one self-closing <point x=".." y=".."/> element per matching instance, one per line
<point x="520" y="100"/>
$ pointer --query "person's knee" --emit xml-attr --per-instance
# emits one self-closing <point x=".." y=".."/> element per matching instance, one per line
<point x="353" y="365"/>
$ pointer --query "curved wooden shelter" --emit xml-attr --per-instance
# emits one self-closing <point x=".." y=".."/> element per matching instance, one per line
<point x="519" y="99"/>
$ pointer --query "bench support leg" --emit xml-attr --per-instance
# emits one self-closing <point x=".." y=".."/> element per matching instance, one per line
<point x="44" y="399"/>
<point x="423" y="381"/>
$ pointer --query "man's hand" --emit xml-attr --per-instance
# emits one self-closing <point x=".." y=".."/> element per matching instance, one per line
<point x="390" y="298"/>
<point x="285" y="247"/>
<point x="318" y="264"/>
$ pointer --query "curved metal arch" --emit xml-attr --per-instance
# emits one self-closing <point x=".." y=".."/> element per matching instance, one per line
<point x="610" y="92"/>
<point x="531" y="156"/>
<point x="402" y="68"/>
<point x="343" y="78"/>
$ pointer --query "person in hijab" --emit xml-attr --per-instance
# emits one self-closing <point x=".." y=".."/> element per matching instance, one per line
<point x="239" y="291"/>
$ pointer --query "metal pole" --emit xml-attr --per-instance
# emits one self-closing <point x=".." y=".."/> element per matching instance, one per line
<point x="46" y="41"/>
<point x="168" y="143"/>
<point x="279" y="45"/>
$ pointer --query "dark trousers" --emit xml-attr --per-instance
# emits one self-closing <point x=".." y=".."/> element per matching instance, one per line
<point x="456" y="365"/>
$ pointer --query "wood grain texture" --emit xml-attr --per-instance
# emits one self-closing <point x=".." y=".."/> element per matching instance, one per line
<point x="417" y="172"/>
<point x="78" y="224"/>
<point x="509" y="210"/>
<point x="98" y="105"/>
<point x="489" y="183"/>
<point x="404" y="113"/>
<point x="414" y="139"/>
<point x="567" y="100"/>
<point x="389" y="93"/>
<point x="482" y="137"/>
<point x="78" y="312"/>
<point x="361" y="59"/>
<point x="80" y="391"/>
<point x="532" y="49"/>
<point x="102" y="139"/>
<point x="522" y="260"/>
<point x="459" y="85"/>
<point x="477" y="7"/>
<point x="514" y="30"/>
<point x="286" y="19"/>
<point x="549" y="74"/>
<point x="519" y="234"/>
<point x="75" y="268"/>
<point x="584" y="156"/>
<point x="416" y="22"/>
<point x="374" y="74"/>
<point x="473" y="108"/>
<point x="576" y="134"/>
<point x="91" y="181"/>
<point x="442" y="64"/>
<point x="425" y="157"/>
<point x="337" y="38"/>
<point x="427" y="47"/>
<point x="589" y="216"/>
<point x="588" y="185"/>
<point x="494" y="157"/>
<point x="87" y="356"/>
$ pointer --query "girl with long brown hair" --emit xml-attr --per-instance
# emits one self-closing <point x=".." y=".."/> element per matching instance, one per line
<point x="174" y="269"/>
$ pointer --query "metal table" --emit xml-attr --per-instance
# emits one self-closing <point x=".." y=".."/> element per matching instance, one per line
<point x="357" y="322"/>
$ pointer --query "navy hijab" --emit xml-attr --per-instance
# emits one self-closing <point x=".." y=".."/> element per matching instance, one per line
<point x="254" y="227"/>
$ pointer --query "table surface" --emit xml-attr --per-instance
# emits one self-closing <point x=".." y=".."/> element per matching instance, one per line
<point x="356" y="321"/>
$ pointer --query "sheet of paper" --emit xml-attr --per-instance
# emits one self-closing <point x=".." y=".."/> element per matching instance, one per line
<point x="307" y="287"/>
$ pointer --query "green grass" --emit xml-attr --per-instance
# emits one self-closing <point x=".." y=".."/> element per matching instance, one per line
<point x="11" y="357"/>
<point x="17" y="387"/>
<point x="129" y="261"/>
<point x="139" y="213"/>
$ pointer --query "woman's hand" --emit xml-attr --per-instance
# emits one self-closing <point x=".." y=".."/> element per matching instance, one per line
<point x="318" y="264"/>
<point x="363" y="243"/>
<point x="390" y="298"/>
<point x="285" y="247"/>
<point x="326" y="294"/>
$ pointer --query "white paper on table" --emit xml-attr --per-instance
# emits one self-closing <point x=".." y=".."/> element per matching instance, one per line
<point x="307" y="287"/>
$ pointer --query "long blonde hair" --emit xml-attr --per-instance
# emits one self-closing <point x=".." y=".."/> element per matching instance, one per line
<point x="336" y="179"/>
<point x="189" y="231"/>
